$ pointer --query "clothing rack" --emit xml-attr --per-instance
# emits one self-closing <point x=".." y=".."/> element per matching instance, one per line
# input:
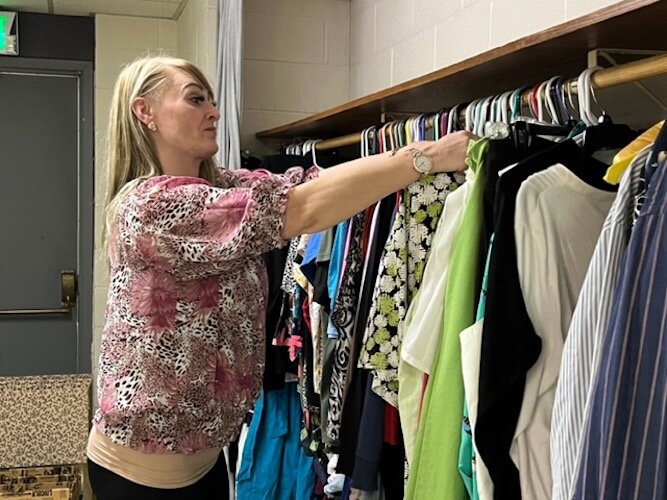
<point x="610" y="77"/>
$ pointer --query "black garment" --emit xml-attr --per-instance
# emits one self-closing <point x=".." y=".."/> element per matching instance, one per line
<point x="307" y="363"/>
<point x="354" y="396"/>
<point x="321" y="287"/>
<point x="371" y="437"/>
<point x="392" y="471"/>
<point x="376" y="458"/>
<point x="108" y="485"/>
<point x="510" y="345"/>
<point x="277" y="358"/>
<point x="501" y="154"/>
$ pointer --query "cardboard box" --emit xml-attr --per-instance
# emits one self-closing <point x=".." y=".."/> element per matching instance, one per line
<point x="45" y="483"/>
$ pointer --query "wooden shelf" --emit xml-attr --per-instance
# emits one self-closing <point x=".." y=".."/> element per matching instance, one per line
<point x="561" y="50"/>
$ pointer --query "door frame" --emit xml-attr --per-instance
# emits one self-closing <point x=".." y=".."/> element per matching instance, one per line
<point x="83" y="71"/>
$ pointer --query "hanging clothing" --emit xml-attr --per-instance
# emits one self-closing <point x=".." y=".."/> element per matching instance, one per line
<point x="278" y="363"/>
<point x="557" y="224"/>
<point x="434" y="471"/>
<point x="423" y="321"/>
<point x="589" y="322"/>
<point x="501" y="154"/>
<point x="342" y="318"/>
<point x="273" y="464"/>
<point x="471" y="465"/>
<point x="400" y="275"/>
<point x="509" y="343"/>
<point x="377" y="233"/>
<point x="624" y="438"/>
<point x="369" y="448"/>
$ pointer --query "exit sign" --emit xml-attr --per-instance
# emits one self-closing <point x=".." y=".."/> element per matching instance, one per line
<point x="9" y="36"/>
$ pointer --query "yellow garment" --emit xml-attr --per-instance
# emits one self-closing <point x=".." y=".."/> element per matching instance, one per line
<point x="626" y="155"/>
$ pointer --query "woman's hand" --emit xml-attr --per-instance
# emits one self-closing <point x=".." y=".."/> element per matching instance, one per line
<point x="448" y="153"/>
<point x="342" y="191"/>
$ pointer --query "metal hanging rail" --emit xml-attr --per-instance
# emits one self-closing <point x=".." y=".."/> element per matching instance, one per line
<point x="610" y="77"/>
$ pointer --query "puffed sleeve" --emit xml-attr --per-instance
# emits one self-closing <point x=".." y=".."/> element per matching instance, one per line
<point x="186" y="226"/>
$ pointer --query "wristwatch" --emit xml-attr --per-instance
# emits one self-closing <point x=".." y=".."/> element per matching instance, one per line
<point x="421" y="162"/>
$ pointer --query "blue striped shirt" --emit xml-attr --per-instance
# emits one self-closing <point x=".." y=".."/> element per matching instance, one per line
<point x="624" y="450"/>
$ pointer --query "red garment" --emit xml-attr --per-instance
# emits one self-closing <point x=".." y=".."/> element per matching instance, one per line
<point x="392" y="425"/>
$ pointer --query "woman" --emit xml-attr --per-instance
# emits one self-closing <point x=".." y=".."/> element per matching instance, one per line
<point x="182" y="348"/>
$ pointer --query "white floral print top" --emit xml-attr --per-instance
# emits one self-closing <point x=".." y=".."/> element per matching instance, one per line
<point x="182" y="348"/>
<point x="400" y="276"/>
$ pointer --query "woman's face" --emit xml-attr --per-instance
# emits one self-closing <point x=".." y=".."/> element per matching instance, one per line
<point x="186" y="118"/>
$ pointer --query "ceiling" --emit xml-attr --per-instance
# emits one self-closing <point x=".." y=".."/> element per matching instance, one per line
<point x="166" y="9"/>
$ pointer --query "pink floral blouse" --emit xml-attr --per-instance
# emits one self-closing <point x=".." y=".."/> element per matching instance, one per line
<point x="182" y="348"/>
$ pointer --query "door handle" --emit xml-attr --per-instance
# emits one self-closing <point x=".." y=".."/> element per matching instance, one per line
<point x="68" y="290"/>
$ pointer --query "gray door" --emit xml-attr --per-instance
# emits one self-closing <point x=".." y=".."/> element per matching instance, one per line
<point x="45" y="215"/>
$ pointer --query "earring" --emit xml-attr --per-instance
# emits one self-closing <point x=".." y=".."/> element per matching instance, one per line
<point x="152" y="127"/>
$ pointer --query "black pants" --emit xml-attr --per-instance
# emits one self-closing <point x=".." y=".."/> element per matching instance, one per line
<point x="110" y="486"/>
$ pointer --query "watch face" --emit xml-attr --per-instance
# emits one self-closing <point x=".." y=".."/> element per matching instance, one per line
<point x="423" y="164"/>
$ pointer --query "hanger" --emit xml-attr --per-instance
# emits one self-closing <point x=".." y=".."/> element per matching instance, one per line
<point x="484" y="115"/>
<point x="584" y="94"/>
<point x="557" y="101"/>
<point x="601" y="133"/>
<point x="423" y="126"/>
<point x="505" y="107"/>
<point x="516" y="101"/>
<point x="420" y="127"/>
<point x="468" y="125"/>
<point x="312" y="150"/>
<point x="453" y="118"/>
<point x="444" y="120"/>
<point x="625" y="156"/>
<point x="532" y="101"/>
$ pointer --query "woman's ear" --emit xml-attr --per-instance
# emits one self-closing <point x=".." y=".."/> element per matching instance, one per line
<point x="141" y="108"/>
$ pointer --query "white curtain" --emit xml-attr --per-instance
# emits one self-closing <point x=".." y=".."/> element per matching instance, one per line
<point x="228" y="81"/>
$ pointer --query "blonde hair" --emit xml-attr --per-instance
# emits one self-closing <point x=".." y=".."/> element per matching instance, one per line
<point x="131" y="156"/>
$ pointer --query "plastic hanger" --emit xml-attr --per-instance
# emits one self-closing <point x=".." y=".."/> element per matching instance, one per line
<point x="584" y="94"/>
<point x="408" y="130"/>
<point x="363" y="143"/>
<point x="453" y="118"/>
<point x="625" y="156"/>
<point x="469" y="116"/>
<point x="602" y="133"/>
<point x="540" y="95"/>
<point x="517" y="102"/>
<point x="557" y="98"/>
<point x="474" y="115"/>
<point x="484" y="115"/>
<point x="382" y="138"/>
<point x="444" y="119"/>
<point x="313" y="147"/>
<point x="505" y="107"/>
